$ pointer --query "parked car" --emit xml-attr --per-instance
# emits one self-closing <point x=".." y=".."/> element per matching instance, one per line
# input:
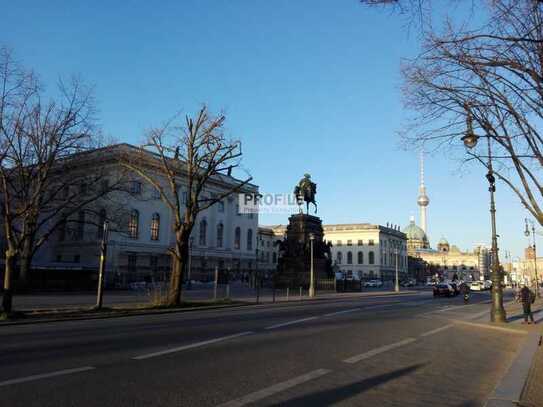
<point x="373" y="283"/>
<point x="476" y="286"/>
<point x="443" y="290"/>
<point x="408" y="283"/>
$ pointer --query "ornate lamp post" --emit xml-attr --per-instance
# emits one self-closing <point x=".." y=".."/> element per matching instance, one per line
<point x="527" y="234"/>
<point x="312" y="274"/>
<point x="497" y="313"/>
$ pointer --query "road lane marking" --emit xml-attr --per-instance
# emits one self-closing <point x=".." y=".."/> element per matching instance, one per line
<point x="276" y="388"/>
<point x="191" y="346"/>
<point x="297" y="321"/>
<point x="435" y="331"/>
<point x="342" y="312"/>
<point x="376" y="351"/>
<point x="46" y="375"/>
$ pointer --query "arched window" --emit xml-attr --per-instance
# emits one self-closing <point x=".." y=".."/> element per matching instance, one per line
<point x="339" y="257"/>
<point x="220" y="233"/>
<point x="360" y="257"/>
<point x="133" y="224"/>
<point x="155" y="226"/>
<point x="349" y="257"/>
<point x="371" y="257"/>
<point x="203" y="232"/>
<point x="274" y="257"/>
<point x="100" y="226"/>
<point x="249" y="239"/>
<point x="237" y="238"/>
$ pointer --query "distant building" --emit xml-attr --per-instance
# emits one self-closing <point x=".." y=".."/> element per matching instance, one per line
<point x="360" y="250"/>
<point x="447" y="261"/>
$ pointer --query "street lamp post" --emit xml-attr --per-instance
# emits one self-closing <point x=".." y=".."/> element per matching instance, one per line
<point x="497" y="312"/>
<point x="102" y="271"/>
<point x="397" y="285"/>
<point x="312" y="275"/>
<point x="189" y="265"/>
<point x="527" y="234"/>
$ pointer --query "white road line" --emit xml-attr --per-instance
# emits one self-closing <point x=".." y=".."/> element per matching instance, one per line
<point x="291" y="323"/>
<point x="46" y="375"/>
<point x="342" y="312"/>
<point x="190" y="346"/>
<point x="435" y="331"/>
<point x="376" y="351"/>
<point x="276" y="388"/>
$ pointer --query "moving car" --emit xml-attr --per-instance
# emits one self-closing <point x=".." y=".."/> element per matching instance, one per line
<point x="443" y="289"/>
<point x="373" y="283"/>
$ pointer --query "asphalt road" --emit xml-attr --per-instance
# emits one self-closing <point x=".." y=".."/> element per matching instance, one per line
<point x="394" y="351"/>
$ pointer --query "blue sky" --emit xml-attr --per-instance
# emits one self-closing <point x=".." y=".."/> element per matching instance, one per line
<point x="308" y="85"/>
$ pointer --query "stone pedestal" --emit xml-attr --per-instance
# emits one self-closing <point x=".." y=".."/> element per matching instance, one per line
<point x="295" y="261"/>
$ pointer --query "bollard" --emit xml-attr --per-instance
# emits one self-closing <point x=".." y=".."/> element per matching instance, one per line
<point x="300" y="293"/>
<point x="228" y="290"/>
<point x="288" y="289"/>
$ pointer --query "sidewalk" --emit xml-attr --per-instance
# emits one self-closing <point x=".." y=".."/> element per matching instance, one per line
<point x="522" y="385"/>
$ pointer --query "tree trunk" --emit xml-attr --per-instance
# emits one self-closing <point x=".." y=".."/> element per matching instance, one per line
<point x="24" y="280"/>
<point x="7" y="299"/>
<point x="176" y="280"/>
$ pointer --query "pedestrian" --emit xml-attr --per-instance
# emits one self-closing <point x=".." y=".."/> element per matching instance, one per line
<point x="527" y="297"/>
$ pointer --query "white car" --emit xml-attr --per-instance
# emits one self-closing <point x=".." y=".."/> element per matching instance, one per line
<point x="487" y="284"/>
<point x="476" y="286"/>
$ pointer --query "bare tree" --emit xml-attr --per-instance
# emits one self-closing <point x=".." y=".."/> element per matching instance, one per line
<point x="191" y="158"/>
<point x="489" y="78"/>
<point x="40" y="138"/>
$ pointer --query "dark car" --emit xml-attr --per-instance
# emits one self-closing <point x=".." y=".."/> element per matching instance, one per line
<point x="455" y="287"/>
<point x="445" y="290"/>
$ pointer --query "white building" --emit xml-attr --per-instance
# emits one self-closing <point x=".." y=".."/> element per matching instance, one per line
<point x="138" y="249"/>
<point x="360" y="250"/>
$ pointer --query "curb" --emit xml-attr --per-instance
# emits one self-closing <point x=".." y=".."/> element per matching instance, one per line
<point x="133" y="313"/>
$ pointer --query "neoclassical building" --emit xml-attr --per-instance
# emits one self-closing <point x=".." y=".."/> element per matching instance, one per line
<point x="138" y="246"/>
<point x="359" y="250"/>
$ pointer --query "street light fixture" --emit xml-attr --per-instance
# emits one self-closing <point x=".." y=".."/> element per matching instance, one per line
<point x="470" y="139"/>
<point x="312" y="275"/>
<point x="527" y="234"/>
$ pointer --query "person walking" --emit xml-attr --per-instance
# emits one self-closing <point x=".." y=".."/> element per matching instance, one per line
<point x="527" y="298"/>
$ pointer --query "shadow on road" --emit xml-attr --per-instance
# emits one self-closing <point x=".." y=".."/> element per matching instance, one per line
<point x="328" y="397"/>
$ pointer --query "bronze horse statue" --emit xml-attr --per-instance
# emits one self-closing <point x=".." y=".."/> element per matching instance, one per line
<point x="306" y="191"/>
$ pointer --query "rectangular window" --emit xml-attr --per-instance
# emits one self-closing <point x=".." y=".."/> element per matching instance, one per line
<point x="77" y="258"/>
<point x="220" y="206"/>
<point x="338" y="243"/>
<point x="370" y="242"/>
<point x="155" y="194"/>
<point x="349" y="242"/>
<point x="360" y="243"/>
<point x="132" y="262"/>
<point x="135" y="187"/>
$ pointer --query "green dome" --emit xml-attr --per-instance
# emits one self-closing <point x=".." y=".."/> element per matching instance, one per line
<point x="413" y="232"/>
<point x="443" y="241"/>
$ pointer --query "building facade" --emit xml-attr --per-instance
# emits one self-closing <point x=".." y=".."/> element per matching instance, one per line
<point x="138" y="246"/>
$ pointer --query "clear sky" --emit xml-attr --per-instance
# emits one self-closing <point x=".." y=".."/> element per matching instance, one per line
<point x="308" y="85"/>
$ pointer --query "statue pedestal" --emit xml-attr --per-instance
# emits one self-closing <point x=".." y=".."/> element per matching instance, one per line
<point x="295" y="262"/>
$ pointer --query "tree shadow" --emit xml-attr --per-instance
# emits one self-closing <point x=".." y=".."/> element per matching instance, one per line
<point x="328" y="397"/>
